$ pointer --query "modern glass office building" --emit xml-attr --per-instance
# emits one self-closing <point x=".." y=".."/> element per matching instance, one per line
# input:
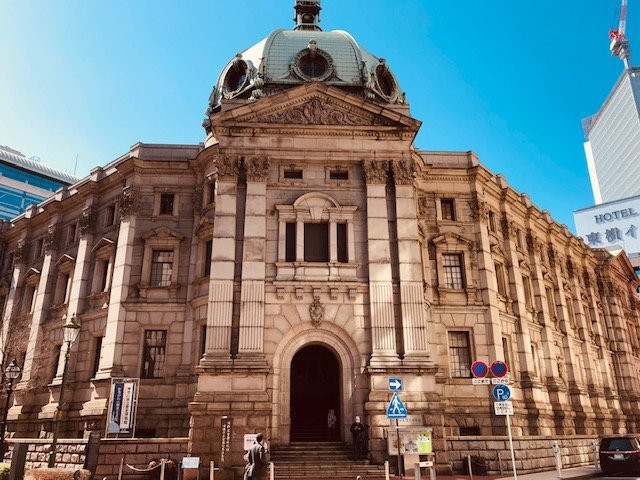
<point x="24" y="181"/>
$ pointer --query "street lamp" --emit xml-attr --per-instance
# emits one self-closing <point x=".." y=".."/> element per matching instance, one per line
<point x="12" y="372"/>
<point x="70" y="331"/>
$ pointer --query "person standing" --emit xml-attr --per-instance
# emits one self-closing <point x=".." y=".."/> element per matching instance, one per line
<point x="332" y="422"/>
<point x="357" y="430"/>
<point x="256" y="460"/>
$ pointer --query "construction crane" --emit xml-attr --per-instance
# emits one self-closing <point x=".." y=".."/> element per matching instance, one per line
<point x="619" y="42"/>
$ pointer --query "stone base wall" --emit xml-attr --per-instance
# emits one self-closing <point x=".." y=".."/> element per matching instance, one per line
<point x="70" y="452"/>
<point x="137" y="452"/>
<point x="532" y="454"/>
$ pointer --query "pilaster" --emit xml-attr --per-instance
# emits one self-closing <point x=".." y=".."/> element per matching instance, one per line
<point x="220" y="304"/>
<point x="383" y="331"/>
<point x="112" y="345"/>
<point x="12" y="303"/>
<point x="414" y="310"/>
<point x="252" y="293"/>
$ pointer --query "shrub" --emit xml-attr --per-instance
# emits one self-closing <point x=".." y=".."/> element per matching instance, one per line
<point x="4" y="471"/>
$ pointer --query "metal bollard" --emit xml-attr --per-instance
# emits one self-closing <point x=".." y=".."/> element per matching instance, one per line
<point x="271" y="471"/>
<point x="557" y="458"/>
<point x="162" y="469"/>
<point x="470" y="468"/>
<point x="596" y="457"/>
<point x="212" y="471"/>
<point x="386" y="470"/>
<point x="416" y="471"/>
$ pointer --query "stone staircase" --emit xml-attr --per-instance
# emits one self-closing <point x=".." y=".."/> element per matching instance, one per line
<point x="302" y="460"/>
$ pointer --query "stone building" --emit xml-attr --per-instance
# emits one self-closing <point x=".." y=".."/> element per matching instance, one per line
<point x="302" y="255"/>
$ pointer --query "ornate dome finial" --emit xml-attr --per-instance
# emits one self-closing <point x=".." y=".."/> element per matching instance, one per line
<point x="307" y="15"/>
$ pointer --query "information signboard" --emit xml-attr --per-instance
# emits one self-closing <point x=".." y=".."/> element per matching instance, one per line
<point x="503" y="408"/>
<point x="413" y="440"/>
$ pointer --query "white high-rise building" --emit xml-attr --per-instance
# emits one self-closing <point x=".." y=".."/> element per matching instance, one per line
<point x="613" y="142"/>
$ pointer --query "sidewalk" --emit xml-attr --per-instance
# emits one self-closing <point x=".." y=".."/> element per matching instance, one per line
<point x="570" y="473"/>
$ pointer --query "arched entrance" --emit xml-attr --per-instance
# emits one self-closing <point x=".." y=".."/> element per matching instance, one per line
<point x="315" y="389"/>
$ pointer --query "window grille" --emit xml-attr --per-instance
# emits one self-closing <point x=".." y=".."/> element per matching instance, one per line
<point x="161" y="268"/>
<point x="447" y="206"/>
<point x="459" y="354"/>
<point x="452" y="265"/>
<point x="154" y="350"/>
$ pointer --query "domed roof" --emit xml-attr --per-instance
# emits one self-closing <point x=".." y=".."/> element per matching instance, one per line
<point x="287" y="58"/>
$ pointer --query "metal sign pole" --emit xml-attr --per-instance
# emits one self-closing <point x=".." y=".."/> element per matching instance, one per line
<point x="398" y="439"/>
<point x="513" y="455"/>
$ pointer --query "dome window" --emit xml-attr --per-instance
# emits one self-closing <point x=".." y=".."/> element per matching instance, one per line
<point x="313" y="64"/>
<point x="385" y="81"/>
<point x="236" y="77"/>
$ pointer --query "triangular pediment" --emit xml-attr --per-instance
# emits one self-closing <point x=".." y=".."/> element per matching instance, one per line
<point x="315" y="105"/>
<point x="103" y="243"/>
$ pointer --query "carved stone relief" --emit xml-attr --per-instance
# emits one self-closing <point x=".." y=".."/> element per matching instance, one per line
<point x="228" y="167"/>
<point x="128" y="203"/>
<point x="375" y="171"/>
<point x="87" y="221"/>
<point x="316" y="312"/>
<point x="51" y="238"/>
<point x="404" y="171"/>
<point x="257" y="168"/>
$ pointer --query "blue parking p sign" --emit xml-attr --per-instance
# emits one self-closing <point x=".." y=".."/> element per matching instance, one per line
<point x="501" y="393"/>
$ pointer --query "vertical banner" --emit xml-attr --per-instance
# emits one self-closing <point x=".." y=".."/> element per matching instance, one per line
<point x="122" y="406"/>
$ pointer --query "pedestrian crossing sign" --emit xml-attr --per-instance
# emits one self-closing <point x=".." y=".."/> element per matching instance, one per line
<point x="396" y="408"/>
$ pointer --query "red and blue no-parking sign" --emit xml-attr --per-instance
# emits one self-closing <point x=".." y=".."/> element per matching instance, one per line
<point x="479" y="369"/>
<point x="499" y="369"/>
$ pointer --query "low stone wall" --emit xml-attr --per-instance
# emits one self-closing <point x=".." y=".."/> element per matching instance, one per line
<point x="70" y="453"/>
<point x="532" y="454"/>
<point x="137" y="452"/>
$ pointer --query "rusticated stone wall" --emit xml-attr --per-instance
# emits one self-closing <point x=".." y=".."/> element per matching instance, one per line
<point x="70" y="453"/>
<point x="137" y="452"/>
<point x="533" y="454"/>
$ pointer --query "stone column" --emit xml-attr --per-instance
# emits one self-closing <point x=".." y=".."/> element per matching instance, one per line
<point x="220" y="307"/>
<point x="383" y="331"/>
<point x="80" y="278"/>
<point x="251" y="341"/>
<point x="12" y="303"/>
<point x="41" y="303"/>
<point x="112" y="345"/>
<point x="414" y="312"/>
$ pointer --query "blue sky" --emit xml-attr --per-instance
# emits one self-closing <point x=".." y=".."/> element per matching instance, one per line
<point x="508" y="79"/>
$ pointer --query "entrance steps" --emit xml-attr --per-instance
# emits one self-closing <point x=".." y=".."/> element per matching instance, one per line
<point x="302" y="460"/>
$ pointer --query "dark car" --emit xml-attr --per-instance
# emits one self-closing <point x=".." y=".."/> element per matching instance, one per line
<point x="620" y="454"/>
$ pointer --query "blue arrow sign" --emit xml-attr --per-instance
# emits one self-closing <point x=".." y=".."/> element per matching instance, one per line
<point x="396" y="408"/>
<point x="501" y="393"/>
<point x="395" y="384"/>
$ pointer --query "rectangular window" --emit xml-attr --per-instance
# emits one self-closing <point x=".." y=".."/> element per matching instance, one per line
<point x="293" y="174"/>
<point x="452" y="266"/>
<point x="290" y="243"/>
<point x="551" y="302"/>
<point x="110" y="215"/>
<point x="103" y="272"/>
<point x="153" y="353"/>
<point x="571" y="312"/>
<point x="459" y="354"/>
<point x="208" y="250"/>
<point x="63" y="288"/>
<point x="203" y="340"/>
<point x="534" y="355"/>
<point x="342" y="242"/>
<point x="29" y="298"/>
<point x="161" y="268"/>
<point x="38" y="251"/>
<point x="96" y="356"/>
<point x="71" y="233"/>
<point x="502" y="285"/>
<point x="518" y="235"/>
<point x="469" y="431"/>
<point x="526" y="284"/>
<point x="492" y="222"/>
<point x="447" y="206"/>
<point x="56" y="359"/>
<point x="316" y="242"/>
<point x="506" y="351"/>
<point x="212" y="192"/>
<point x="338" y="174"/>
<point x="166" y="203"/>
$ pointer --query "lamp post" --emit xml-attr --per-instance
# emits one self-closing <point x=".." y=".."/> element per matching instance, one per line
<point x="70" y="331"/>
<point x="12" y="372"/>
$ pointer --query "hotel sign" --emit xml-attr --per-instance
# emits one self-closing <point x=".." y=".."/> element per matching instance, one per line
<point x="611" y="225"/>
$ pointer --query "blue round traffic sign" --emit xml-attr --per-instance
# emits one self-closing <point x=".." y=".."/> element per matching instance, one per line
<point x="501" y="393"/>
<point x="499" y="369"/>
<point x="479" y="369"/>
